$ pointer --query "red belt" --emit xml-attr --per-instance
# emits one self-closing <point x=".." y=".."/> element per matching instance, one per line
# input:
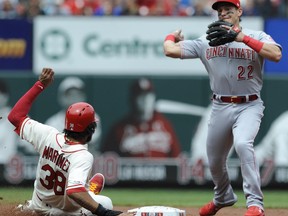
<point x="236" y="99"/>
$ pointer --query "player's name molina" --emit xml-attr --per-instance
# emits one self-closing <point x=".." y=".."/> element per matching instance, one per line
<point x="234" y="53"/>
<point x="53" y="155"/>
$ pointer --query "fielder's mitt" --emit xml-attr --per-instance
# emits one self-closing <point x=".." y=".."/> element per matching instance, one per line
<point x="221" y="32"/>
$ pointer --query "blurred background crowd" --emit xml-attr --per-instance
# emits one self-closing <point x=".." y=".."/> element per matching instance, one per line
<point x="11" y="9"/>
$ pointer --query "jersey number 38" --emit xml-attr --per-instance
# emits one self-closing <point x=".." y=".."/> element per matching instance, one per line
<point x="54" y="180"/>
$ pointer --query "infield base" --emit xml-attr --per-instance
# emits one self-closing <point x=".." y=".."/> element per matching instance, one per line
<point x="157" y="211"/>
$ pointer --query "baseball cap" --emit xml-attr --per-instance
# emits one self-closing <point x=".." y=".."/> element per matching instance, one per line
<point x="71" y="90"/>
<point x="71" y="82"/>
<point x="142" y="85"/>
<point x="234" y="2"/>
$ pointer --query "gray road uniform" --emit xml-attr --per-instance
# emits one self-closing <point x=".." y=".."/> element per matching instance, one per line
<point x="234" y="69"/>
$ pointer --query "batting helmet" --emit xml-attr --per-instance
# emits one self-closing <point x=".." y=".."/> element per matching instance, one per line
<point x="79" y="116"/>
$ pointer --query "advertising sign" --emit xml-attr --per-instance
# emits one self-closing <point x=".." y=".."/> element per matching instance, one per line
<point x="274" y="27"/>
<point x="116" y="46"/>
<point x="16" y="45"/>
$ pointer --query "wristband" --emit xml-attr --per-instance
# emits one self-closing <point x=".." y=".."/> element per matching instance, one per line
<point x="101" y="211"/>
<point x="253" y="43"/>
<point x="40" y="85"/>
<point x="170" y="37"/>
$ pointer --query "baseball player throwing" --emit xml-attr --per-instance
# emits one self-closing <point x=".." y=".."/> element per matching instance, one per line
<point x="64" y="162"/>
<point x="233" y="57"/>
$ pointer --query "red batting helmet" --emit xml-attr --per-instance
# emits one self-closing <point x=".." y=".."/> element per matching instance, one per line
<point x="234" y="2"/>
<point x="79" y="116"/>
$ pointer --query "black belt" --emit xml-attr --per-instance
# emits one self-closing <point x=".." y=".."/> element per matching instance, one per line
<point x="236" y="99"/>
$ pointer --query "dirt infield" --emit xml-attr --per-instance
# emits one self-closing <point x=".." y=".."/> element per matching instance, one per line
<point x="229" y="211"/>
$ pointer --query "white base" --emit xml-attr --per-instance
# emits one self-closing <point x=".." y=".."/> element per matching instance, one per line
<point x="157" y="211"/>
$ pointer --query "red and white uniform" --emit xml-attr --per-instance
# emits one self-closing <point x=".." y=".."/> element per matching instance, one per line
<point x="63" y="168"/>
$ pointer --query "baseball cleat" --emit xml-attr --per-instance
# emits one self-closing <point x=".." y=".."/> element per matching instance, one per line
<point x="254" y="211"/>
<point x="96" y="183"/>
<point x="209" y="209"/>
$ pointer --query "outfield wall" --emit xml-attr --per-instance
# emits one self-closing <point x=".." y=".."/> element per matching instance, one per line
<point x="109" y="95"/>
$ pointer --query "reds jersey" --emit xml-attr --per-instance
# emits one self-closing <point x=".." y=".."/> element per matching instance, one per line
<point x="155" y="138"/>
<point x="61" y="167"/>
<point x="233" y="68"/>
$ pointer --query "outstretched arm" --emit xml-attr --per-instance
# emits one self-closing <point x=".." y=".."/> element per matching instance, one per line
<point x="21" y="109"/>
<point x="86" y="201"/>
<point x="171" y="45"/>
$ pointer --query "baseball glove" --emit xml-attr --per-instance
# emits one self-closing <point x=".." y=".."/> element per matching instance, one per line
<point x="221" y="32"/>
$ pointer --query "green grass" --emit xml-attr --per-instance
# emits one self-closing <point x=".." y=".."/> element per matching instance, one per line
<point x="15" y="194"/>
<point x="152" y="196"/>
<point x="186" y="197"/>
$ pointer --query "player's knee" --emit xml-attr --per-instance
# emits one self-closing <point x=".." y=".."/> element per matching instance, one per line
<point x="243" y="149"/>
<point x="106" y="202"/>
<point x="216" y="164"/>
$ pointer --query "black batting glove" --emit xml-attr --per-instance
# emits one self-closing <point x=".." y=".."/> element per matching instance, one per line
<point x="101" y="211"/>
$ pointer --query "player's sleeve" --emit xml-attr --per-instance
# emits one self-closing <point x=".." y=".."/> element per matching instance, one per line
<point x="37" y="133"/>
<point x="265" y="38"/>
<point x="191" y="48"/>
<point x="79" y="172"/>
<point x="21" y="109"/>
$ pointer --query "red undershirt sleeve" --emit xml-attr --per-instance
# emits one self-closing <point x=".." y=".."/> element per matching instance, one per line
<point x="21" y="109"/>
